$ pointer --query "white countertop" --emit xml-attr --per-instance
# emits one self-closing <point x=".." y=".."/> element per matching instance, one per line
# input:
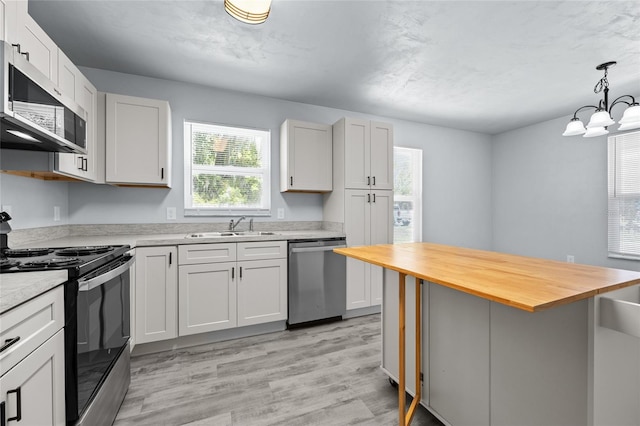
<point x="149" y="240"/>
<point x="17" y="288"/>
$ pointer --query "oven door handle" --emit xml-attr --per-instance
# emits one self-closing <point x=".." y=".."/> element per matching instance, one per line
<point x="90" y="284"/>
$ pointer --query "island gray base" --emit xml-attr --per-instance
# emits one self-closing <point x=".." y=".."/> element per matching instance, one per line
<point x="485" y="363"/>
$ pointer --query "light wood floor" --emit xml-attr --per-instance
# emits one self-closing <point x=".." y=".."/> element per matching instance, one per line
<point x="323" y="375"/>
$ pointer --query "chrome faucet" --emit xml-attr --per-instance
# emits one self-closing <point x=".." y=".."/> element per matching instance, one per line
<point x="232" y="226"/>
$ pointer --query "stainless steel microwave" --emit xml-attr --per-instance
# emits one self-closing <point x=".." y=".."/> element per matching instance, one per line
<point x="34" y="115"/>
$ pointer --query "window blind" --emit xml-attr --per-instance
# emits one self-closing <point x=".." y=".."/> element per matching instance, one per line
<point x="624" y="195"/>
<point x="226" y="170"/>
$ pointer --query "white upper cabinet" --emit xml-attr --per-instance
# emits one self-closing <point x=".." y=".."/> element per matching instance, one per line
<point x="34" y="43"/>
<point x="74" y="85"/>
<point x="8" y="17"/>
<point x="305" y="157"/>
<point x="368" y="152"/>
<point x="138" y="141"/>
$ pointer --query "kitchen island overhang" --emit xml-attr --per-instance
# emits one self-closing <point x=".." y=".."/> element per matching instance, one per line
<point x="508" y="348"/>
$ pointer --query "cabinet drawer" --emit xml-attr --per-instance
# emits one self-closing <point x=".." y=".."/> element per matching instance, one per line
<point x="262" y="250"/>
<point x="32" y="324"/>
<point x="206" y="253"/>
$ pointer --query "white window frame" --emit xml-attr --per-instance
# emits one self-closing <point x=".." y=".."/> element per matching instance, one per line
<point x="624" y="193"/>
<point x="265" y="172"/>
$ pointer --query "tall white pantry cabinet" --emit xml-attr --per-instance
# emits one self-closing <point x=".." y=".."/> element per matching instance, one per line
<point x="362" y="199"/>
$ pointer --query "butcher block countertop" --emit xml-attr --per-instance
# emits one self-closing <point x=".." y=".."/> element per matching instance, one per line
<point x="526" y="283"/>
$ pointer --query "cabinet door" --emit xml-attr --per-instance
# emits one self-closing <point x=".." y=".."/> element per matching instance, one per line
<point x="307" y="150"/>
<point x="381" y="224"/>
<point x="138" y="139"/>
<point x="381" y="155"/>
<point x="357" y="145"/>
<point x="358" y="284"/>
<point x="71" y="81"/>
<point x="207" y="297"/>
<point x="8" y="20"/>
<point x="38" y="382"/>
<point x="156" y="293"/>
<point x="42" y="51"/>
<point x="262" y="291"/>
<point x="357" y="217"/>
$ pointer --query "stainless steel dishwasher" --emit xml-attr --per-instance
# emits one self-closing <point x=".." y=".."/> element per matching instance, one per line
<point x="317" y="281"/>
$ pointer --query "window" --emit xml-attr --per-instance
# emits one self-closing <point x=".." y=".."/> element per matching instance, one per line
<point x="624" y="196"/>
<point x="226" y="170"/>
<point x="407" y="195"/>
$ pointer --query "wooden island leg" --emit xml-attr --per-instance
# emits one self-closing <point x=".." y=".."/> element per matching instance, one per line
<point x="406" y="417"/>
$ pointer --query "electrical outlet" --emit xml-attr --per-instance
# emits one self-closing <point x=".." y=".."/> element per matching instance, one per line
<point x="280" y="213"/>
<point x="56" y="213"/>
<point x="171" y="213"/>
<point x="570" y="258"/>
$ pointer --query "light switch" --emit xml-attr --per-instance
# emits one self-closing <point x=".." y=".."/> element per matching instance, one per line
<point x="280" y="213"/>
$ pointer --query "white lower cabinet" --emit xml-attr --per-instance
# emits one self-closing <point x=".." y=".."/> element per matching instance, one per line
<point x="33" y="390"/>
<point x="156" y="293"/>
<point x="199" y="288"/>
<point x="262" y="291"/>
<point x="207" y="297"/>
<point x="230" y="285"/>
<point x="368" y="220"/>
<point x="32" y="366"/>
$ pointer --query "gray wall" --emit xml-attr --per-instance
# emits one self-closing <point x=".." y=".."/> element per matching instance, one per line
<point x="32" y="200"/>
<point x="550" y="195"/>
<point x="457" y="164"/>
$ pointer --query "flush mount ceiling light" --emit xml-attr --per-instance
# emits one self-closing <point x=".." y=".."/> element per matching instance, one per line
<point x="248" y="11"/>
<point x="601" y="118"/>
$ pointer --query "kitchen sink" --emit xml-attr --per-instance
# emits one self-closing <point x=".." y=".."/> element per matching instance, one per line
<point x="228" y="234"/>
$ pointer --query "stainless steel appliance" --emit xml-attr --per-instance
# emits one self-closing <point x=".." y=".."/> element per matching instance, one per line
<point x="34" y="115"/>
<point x="97" y="321"/>
<point x="317" y="281"/>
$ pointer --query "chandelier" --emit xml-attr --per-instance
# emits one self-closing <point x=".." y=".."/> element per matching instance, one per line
<point x="601" y="118"/>
<point x="248" y="11"/>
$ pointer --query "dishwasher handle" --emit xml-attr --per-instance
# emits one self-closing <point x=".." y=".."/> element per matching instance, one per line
<point x="316" y="249"/>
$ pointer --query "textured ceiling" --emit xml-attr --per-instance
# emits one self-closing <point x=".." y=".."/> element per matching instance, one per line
<point x="475" y="65"/>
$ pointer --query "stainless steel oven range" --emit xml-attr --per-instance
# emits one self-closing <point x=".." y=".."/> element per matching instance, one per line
<point x="97" y="329"/>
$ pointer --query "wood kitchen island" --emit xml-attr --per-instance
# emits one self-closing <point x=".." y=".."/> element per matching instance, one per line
<point x="509" y="340"/>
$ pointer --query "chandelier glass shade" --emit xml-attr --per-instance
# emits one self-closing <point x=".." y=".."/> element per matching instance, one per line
<point x="601" y="118"/>
<point x="248" y="11"/>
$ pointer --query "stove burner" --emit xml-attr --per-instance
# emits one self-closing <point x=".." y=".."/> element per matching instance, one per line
<point x="82" y="251"/>
<point x="50" y="263"/>
<point x="27" y="252"/>
<point x="7" y="263"/>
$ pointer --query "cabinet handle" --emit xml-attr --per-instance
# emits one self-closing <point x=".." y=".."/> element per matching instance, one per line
<point x="233" y="272"/>
<point x="368" y="198"/>
<point x="369" y="180"/>
<point x="17" y="46"/>
<point x="170" y="257"/>
<point x="374" y="197"/>
<point x="18" y="416"/>
<point x="241" y="272"/>
<point x="58" y="92"/>
<point x="85" y="162"/>
<point x="8" y="343"/>
<point x="26" y="55"/>
<point x="2" y="414"/>
<point x="291" y="180"/>
<point x="374" y="181"/>
<point x="162" y="173"/>
<point x="79" y="161"/>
